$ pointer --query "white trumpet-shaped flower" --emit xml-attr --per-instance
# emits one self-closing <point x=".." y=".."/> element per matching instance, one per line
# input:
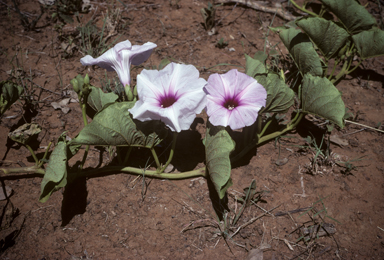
<point x="120" y="58"/>
<point x="173" y="95"/>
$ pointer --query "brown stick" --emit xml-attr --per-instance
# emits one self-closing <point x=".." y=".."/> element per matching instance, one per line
<point x="256" y="5"/>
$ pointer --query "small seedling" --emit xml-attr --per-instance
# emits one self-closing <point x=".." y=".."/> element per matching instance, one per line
<point x="221" y="44"/>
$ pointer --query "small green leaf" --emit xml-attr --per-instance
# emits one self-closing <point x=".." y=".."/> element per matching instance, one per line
<point x="279" y="96"/>
<point x="218" y="146"/>
<point x="9" y="94"/>
<point x="302" y="51"/>
<point x="55" y="176"/>
<point x="97" y="99"/>
<point x="25" y="132"/>
<point x="260" y="56"/>
<point x="327" y="35"/>
<point x="253" y="66"/>
<point x="163" y="63"/>
<point x="353" y="15"/>
<point x="114" y="126"/>
<point x="320" y="97"/>
<point x="370" y="43"/>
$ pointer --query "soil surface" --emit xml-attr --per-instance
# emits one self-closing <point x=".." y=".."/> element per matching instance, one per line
<point x="120" y="216"/>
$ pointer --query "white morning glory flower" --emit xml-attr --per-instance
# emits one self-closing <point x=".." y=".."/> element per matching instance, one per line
<point x="234" y="99"/>
<point x="173" y="95"/>
<point x="120" y="58"/>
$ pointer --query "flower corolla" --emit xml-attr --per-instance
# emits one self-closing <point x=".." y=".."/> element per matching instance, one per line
<point x="173" y="95"/>
<point x="234" y="99"/>
<point x="120" y="58"/>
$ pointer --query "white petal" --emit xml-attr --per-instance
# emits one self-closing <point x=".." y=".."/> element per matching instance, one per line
<point x="153" y="84"/>
<point x="141" y="53"/>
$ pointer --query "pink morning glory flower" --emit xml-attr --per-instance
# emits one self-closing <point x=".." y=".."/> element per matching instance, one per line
<point x="120" y="58"/>
<point x="173" y="95"/>
<point x="234" y="99"/>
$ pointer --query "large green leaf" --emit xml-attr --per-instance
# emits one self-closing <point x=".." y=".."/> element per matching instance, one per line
<point x="279" y="96"/>
<point x="218" y="146"/>
<point x="320" y="97"/>
<point x="328" y="36"/>
<point x="9" y="94"/>
<point x="369" y="43"/>
<point x="354" y="16"/>
<point x="114" y="126"/>
<point x="253" y="66"/>
<point x="55" y="176"/>
<point x="97" y="99"/>
<point x="302" y="51"/>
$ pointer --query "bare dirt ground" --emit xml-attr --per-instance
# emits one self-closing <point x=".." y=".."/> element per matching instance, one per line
<point x="124" y="217"/>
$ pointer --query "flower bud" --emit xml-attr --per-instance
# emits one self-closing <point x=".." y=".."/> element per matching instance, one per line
<point x="75" y="85"/>
<point x="135" y="91"/>
<point x="128" y="92"/>
<point x="86" y="79"/>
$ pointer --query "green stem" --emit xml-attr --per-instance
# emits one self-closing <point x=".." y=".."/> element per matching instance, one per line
<point x="30" y="169"/>
<point x="303" y="9"/>
<point x="84" y="112"/>
<point x="265" y="128"/>
<point x="289" y="127"/>
<point x="154" y="174"/>
<point x="175" y="134"/>
<point x="271" y="136"/>
<point x="45" y="155"/>
<point x="113" y="169"/>
<point x="333" y="70"/>
<point x="343" y="70"/>
<point x="154" y="154"/>
<point x="357" y="65"/>
<point x="33" y="154"/>
<point x="127" y="155"/>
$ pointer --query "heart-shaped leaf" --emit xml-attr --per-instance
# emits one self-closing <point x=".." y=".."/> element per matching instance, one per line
<point x="302" y="51"/>
<point x="55" y="176"/>
<point x="279" y="96"/>
<point x="253" y="66"/>
<point x="369" y="43"/>
<point x="114" y="126"/>
<point x="327" y="35"/>
<point x="218" y="146"/>
<point x="320" y="97"/>
<point x="97" y="99"/>
<point x="353" y="15"/>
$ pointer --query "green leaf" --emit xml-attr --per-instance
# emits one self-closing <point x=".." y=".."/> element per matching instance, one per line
<point x="253" y="67"/>
<point x="9" y="94"/>
<point x="279" y="96"/>
<point x="97" y="99"/>
<point x="369" y="43"/>
<point x="354" y="16"/>
<point x="55" y="176"/>
<point x="66" y="18"/>
<point x="114" y="126"/>
<point x="25" y="132"/>
<point x="302" y="51"/>
<point x="320" y="97"/>
<point x="327" y="35"/>
<point x="163" y="63"/>
<point x="260" y="56"/>
<point x="218" y="146"/>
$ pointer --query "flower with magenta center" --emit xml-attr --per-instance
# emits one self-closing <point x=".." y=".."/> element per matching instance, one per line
<point x="120" y="58"/>
<point x="173" y="95"/>
<point x="234" y="99"/>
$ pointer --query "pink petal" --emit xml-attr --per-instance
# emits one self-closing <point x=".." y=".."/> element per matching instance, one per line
<point x="248" y="94"/>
